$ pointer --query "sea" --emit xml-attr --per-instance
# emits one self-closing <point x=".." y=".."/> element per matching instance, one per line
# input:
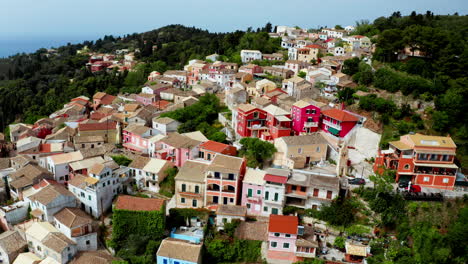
<point x="9" y="47"/>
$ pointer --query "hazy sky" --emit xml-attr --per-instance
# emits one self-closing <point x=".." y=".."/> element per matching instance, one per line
<point x="21" y="19"/>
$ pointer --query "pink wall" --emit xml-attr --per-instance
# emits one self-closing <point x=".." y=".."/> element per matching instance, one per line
<point x="299" y="117"/>
<point x="256" y="199"/>
<point x="346" y="127"/>
<point x="280" y="240"/>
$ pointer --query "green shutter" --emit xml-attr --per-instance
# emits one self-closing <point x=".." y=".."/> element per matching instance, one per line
<point x="249" y="193"/>
<point x="334" y="131"/>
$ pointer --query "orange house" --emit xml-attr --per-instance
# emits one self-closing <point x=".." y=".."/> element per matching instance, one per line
<point x="424" y="160"/>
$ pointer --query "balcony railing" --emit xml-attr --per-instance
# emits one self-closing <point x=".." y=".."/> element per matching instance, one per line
<point x="330" y="124"/>
<point x="311" y="124"/>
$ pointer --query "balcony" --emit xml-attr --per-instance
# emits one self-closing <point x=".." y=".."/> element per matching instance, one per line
<point x="257" y="127"/>
<point x="435" y="171"/>
<point x="311" y="124"/>
<point x="330" y="124"/>
<point x="300" y="195"/>
<point x="254" y="199"/>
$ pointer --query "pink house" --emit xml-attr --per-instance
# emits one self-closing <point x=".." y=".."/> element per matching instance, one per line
<point x="145" y="99"/>
<point x="252" y="191"/>
<point x="306" y="117"/>
<point x="251" y="68"/>
<point x="176" y="148"/>
<point x="136" y="137"/>
<point x="282" y="237"/>
<point x="338" y="122"/>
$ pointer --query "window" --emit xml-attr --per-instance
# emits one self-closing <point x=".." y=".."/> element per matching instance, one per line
<point x="276" y="197"/>
<point x="209" y="156"/>
<point x="299" y="150"/>
<point x="406" y="167"/>
<point x="329" y="194"/>
<point x="88" y="242"/>
<point x="182" y="200"/>
<point x="89" y="197"/>
<point x="249" y="192"/>
<point x="285" y="245"/>
<point x="287" y="235"/>
<point x="197" y="189"/>
<point x="39" y="248"/>
<point x="267" y="194"/>
<point x="184" y="187"/>
<point x="216" y="174"/>
<point x="265" y="209"/>
<point x="277" y="234"/>
<point x="274" y="211"/>
<point x="194" y="203"/>
<point x="303" y="188"/>
<point x="82" y="194"/>
<point x="317" y="149"/>
<point x="316" y="192"/>
<point x="445" y="180"/>
<point x="231" y="176"/>
<point x="274" y="244"/>
<point x="426" y="179"/>
<point x="248" y="206"/>
<point x="259" y="192"/>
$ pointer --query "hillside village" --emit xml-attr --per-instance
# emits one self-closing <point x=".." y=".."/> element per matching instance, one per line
<point x="263" y="158"/>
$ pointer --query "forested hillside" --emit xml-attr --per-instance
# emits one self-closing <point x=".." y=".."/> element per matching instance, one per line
<point x="35" y="85"/>
<point x="436" y="73"/>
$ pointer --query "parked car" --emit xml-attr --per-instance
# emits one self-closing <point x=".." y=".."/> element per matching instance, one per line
<point x="357" y="181"/>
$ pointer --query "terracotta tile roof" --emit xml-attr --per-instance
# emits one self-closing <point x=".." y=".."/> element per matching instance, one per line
<point x="283" y="224"/>
<point x="314" y="138"/>
<point x="177" y="140"/>
<point x="12" y="242"/>
<point x="57" y="242"/>
<point x="163" y="120"/>
<point x="73" y="217"/>
<point x="93" y="257"/>
<point x="28" y="175"/>
<point x="192" y="171"/>
<point x="252" y="231"/>
<point x="99" y="95"/>
<point x="340" y="115"/>
<point x="108" y="99"/>
<point x="180" y="249"/>
<point x="139" y="162"/>
<point x="4" y="163"/>
<point x="132" y="203"/>
<point x="215" y="146"/>
<point x="131" y="107"/>
<point x="49" y="193"/>
<point x="97" y="126"/>
<point x="96" y="169"/>
<point x="79" y="181"/>
<point x="246" y="107"/>
<point x="88" y="139"/>
<point x="234" y="210"/>
<point x="226" y="164"/>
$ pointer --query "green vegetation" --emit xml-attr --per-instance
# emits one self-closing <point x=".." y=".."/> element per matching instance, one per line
<point x="341" y="212"/>
<point x="201" y="116"/>
<point x="311" y="261"/>
<point x="256" y="151"/>
<point x="122" y="160"/>
<point x="167" y="186"/>
<point x="37" y="84"/>
<point x="136" y="235"/>
<point x="223" y="247"/>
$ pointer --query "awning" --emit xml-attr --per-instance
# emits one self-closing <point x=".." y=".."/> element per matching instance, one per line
<point x="333" y="130"/>
<point x="37" y="213"/>
<point x="437" y="165"/>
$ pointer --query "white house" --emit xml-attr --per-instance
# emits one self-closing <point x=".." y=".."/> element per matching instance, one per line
<point x="49" y="200"/>
<point x="149" y="172"/>
<point x="44" y="240"/>
<point x="337" y="51"/>
<point x="58" y="164"/>
<point x="78" y="226"/>
<point x="165" y="125"/>
<point x="96" y="191"/>
<point x="250" y="55"/>
<point x="226" y="213"/>
<point x="274" y="190"/>
<point x="11" y="245"/>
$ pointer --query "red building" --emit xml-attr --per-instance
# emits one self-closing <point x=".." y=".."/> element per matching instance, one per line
<point x="251" y="121"/>
<point x="338" y="122"/>
<point x="424" y="160"/>
<point x="267" y="124"/>
<point x="306" y="117"/>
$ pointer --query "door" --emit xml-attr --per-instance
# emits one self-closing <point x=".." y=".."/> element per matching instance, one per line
<point x="316" y="192"/>
<point x="225" y="200"/>
<point x="274" y="211"/>
<point x="215" y="199"/>
<point x="329" y="194"/>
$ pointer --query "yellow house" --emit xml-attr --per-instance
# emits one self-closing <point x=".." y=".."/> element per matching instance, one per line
<point x="190" y="184"/>
<point x="264" y="86"/>
<point x="297" y="152"/>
